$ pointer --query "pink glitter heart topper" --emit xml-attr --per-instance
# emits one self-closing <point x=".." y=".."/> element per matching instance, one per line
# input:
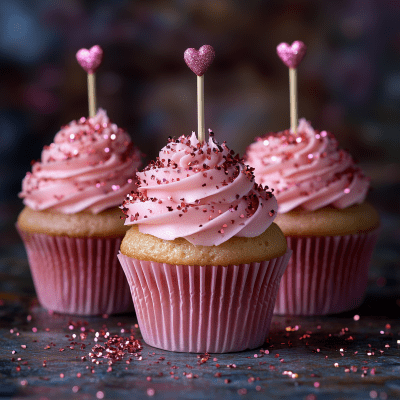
<point x="90" y="59"/>
<point x="291" y="55"/>
<point x="199" y="60"/>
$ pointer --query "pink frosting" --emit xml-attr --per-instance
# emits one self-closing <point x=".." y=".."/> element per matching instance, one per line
<point x="201" y="192"/>
<point x="307" y="169"/>
<point x="90" y="166"/>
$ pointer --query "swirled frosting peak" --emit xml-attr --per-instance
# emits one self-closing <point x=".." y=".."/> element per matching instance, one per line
<point x="307" y="169"/>
<point x="90" y="166"/>
<point x="202" y="192"/>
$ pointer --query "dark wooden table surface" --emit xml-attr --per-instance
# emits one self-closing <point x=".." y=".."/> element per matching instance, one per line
<point x="355" y="355"/>
<point x="44" y="356"/>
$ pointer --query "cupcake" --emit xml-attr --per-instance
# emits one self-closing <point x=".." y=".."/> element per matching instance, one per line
<point x="203" y="257"/>
<point x="322" y="211"/>
<point x="70" y="225"/>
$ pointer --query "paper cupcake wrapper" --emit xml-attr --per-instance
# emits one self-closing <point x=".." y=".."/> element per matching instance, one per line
<point x="326" y="274"/>
<point x="77" y="275"/>
<point x="216" y="309"/>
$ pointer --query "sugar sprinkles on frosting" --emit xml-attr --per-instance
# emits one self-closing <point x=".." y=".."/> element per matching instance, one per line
<point x="90" y="165"/>
<point x="200" y="191"/>
<point x="307" y="169"/>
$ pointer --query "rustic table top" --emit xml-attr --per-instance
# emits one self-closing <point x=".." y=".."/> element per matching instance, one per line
<point x="50" y="356"/>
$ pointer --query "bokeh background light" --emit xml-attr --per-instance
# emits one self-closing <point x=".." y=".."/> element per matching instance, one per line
<point x="349" y="81"/>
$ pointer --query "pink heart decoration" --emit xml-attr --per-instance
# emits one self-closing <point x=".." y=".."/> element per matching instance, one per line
<point x="291" y="55"/>
<point x="90" y="59"/>
<point x="199" y="60"/>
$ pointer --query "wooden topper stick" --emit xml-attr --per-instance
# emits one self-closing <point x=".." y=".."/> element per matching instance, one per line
<point x="201" y="130"/>
<point x="91" y="79"/>
<point x="293" y="99"/>
<point x="198" y="61"/>
<point x="90" y="60"/>
<point x="291" y="57"/>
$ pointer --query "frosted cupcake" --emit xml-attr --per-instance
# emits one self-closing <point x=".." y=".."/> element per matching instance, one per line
<point x="322" y="211"/>
<point x="203" y="257"/>
<point x="71" y="224"/>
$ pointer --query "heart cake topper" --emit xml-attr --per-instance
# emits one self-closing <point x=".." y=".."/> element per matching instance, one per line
<point x="90" y="59"/>
<point x="292" y="55"/>
<point x="199" y="60"/>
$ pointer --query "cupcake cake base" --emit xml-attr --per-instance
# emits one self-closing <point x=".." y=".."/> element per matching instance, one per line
<point x="332" y="250"/>
<point x="216" y="309"/>
<point x="78" y="276"/>
<point x="326" y="274"/>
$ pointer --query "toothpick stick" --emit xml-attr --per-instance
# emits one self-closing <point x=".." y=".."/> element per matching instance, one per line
<point x="201" y="131"/>
<point x="198" y="61"/>
<point x="293" y="99"/>
<point x="291" y="57"/>
<point x="91" y="79"/>
<point x="90" y="60"/>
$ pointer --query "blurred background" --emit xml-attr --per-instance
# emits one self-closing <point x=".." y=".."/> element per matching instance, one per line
<point x="349" y="84"/>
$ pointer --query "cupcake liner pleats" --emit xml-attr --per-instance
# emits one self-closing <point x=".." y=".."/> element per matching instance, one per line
<point x="197" y="309"/>
<point x="326" y="274"/>
<point x="78" y="276"/>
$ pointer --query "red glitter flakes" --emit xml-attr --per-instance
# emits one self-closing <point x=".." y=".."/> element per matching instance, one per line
<point x="292" y="329"/>
<point x="116" y="348"/>
<point x="203" y="358"/>
<point x="290" y="374"/>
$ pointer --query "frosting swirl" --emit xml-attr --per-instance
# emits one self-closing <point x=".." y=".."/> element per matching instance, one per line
<point x="90" y="166"/>
<point x="201" y="192"/>
<point x="307" y="169"/>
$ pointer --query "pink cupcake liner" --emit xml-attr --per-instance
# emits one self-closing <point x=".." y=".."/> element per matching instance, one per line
<point x="77" y="275"/>
<point x="216" y="309"/>
<point x="326" y="274"/>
